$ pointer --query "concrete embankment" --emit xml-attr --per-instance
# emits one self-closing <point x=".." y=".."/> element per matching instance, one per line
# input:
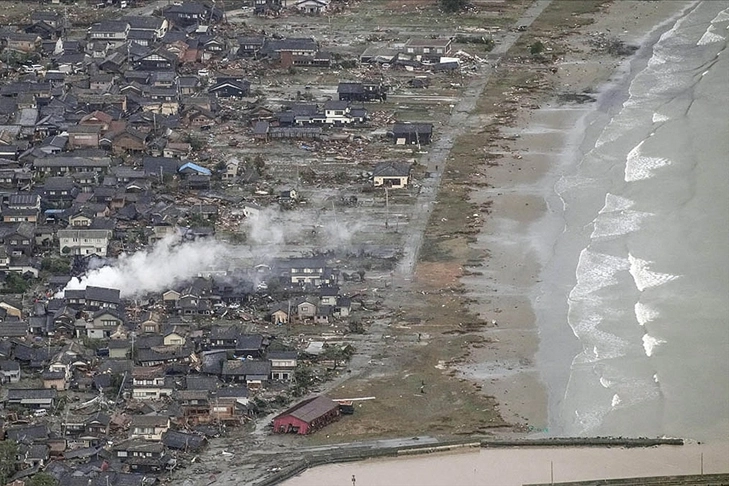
<point x="351" y="455"/>
<point x="693" y="480"/>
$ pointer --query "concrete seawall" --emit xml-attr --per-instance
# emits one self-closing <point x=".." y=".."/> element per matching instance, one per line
<point x="694" y="480"/>
<point x="339" y="456"/>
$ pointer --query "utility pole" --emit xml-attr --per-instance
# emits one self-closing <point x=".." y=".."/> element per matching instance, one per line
<point x="387" y="208"/>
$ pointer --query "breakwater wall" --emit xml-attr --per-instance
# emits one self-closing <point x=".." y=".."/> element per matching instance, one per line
<point x="691" y="480"/>
<point x="352" y="454"/>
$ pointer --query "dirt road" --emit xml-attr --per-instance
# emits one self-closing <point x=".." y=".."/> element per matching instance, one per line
<point x="461" y="118"/>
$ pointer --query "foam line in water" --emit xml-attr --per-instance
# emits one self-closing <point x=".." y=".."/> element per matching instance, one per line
<point x="639" y="167"/>
<point x="616" y="203"/>
<point x="650" y="344"/>
<point x="658" y="118"/>
<point x="709" y="37"/>
<point x="722" y="16"/>
<point x="617" y="224"/>
<point x="596" y="271"/>
<point x="644" y="313"/>
<point x="616" y="400"/>
<point x="644" y="277"/>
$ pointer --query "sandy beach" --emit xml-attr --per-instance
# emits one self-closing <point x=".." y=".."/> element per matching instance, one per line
<point x="526" y="220"/>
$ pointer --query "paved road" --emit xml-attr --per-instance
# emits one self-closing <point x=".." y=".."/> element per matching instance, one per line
<point x="438" y="151"/>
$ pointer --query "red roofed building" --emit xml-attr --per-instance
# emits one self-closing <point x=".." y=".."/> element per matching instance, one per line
<point x="307" y="417"/>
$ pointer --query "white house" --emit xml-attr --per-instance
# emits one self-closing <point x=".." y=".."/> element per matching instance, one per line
<point x="149" y="384"/>
<point x="84" y="242"/>
<point x="149" y="427"/>
<point x="283" y="364"/>
<point x="391" y="174"/>
<point x="311" y="6"/>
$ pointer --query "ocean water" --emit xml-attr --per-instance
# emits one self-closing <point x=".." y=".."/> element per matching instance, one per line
<point x="646" y="245"/>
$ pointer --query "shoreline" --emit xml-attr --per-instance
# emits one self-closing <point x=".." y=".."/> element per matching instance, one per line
<point x="528" y="214"/>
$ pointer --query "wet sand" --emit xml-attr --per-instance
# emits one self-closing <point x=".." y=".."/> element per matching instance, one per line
<point x="527" y="220"/>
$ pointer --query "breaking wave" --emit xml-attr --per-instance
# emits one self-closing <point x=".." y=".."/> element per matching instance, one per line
<point x="640" y="167"/>
<point x="644" y="277"/>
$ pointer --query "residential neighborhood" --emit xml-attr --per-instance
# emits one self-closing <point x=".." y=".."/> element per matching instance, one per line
<point x="258" y="163"/>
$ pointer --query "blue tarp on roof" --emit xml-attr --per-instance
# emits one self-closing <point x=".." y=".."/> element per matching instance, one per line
<point x="195" y="167"/>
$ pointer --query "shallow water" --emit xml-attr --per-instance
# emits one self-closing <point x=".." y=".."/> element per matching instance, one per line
<point x="646" y="238"/>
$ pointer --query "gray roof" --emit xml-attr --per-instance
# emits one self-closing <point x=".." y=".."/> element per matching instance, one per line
<point x="72" y="162"/>
<point x="282" y="354"/>
<point x="350" y="88"/>
<point x="246" y="367"/>
<point x="13" y="329"/>
<point x="393" y="169"/>
<point x="23" y="200"/>
<point x="9" y="365"/>
<point x="114" y="26"/>
<point x="412" y="128"/>
<point x="102" y="294"/>
<point x="149" y="420"/>
<point x="142" y="22"/>
<point x="249" y="341"/>
<point x="181" y="440"/>
<point x="311" y="409"/>
<point x="31" y="393"/>
<point x="336" y="105"/>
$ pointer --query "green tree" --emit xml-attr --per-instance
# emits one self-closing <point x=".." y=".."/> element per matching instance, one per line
<point x="15" y="284"/>
<point x="536" y="49"/>
<point x="56" y="265"/>
<point x="8" y="455"/>
<point x="452" y="6"/>
<point x="42" y="479"/>
<point x="303" y="379"/>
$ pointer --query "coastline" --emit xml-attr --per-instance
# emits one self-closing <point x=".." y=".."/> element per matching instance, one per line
<point x="527" y="362"/>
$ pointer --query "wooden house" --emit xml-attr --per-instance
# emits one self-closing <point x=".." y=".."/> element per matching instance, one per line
<point x="307" y="416"/>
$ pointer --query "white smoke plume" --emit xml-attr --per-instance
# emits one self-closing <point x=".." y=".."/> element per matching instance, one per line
<point x="170" y="262"/>
<point x="156" y="269"/>
<point x="269" y="229"/>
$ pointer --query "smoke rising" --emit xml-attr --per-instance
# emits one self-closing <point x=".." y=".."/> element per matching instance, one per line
<point x="171" y="262"/>
<point x="156" y="269"/>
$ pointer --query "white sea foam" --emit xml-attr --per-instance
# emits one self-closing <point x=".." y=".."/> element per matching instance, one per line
<point x="655" y="377"/>
<point x="589" y="420"/>
<point x="605" y="345"/>
<point x="722" y="16"/>
<point x="639" y="167"/>
<point x="644" y="313"/>
<point x="596" y="271"/>
<point x="710" y="36"/>
<point x="605" y="382"/>
<point x="616" y="400"/>
<point x="644" y="277"/>
<point x="656" y="60"/>
<point x="568" y="183"/>
<point x="658" y="118"/>
<point x="616" y="203"/>
<point x="650" y="344"/>
<point x="617" y="224"/>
